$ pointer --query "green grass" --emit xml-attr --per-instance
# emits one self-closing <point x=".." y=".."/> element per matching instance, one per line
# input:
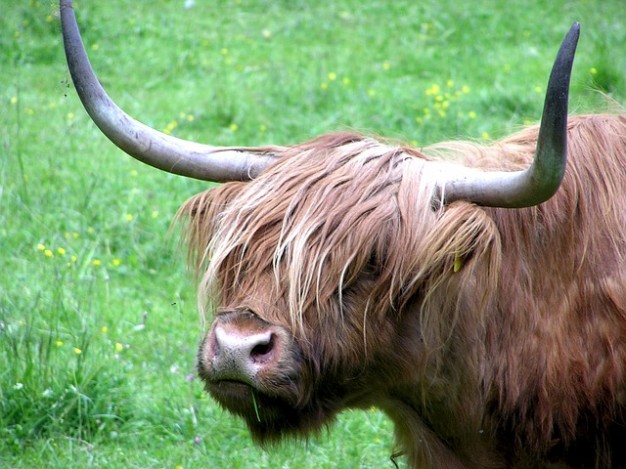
<point x="98" y="324"/>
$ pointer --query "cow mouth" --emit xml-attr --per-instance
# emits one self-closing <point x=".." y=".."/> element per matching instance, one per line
<point x="263" y="413"/>
<point x="237" y="395"/>
<point x="230" y="387"/>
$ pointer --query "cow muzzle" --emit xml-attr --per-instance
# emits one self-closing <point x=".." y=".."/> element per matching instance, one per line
<point x="240" y="356"/>
<point x="241" y="348"/>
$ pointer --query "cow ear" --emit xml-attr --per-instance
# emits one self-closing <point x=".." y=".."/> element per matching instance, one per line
<point x="463" y="233"/>
<point x="199" y="216"/>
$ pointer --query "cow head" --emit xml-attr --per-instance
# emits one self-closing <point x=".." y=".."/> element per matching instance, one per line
<point x="311" y="269"/>
<point x="312" y="254"/>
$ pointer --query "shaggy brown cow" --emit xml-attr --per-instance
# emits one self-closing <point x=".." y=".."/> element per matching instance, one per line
<point x="486" y="318"/>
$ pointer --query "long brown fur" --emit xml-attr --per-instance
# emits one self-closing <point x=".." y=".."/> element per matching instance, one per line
<point x="502" y="332"/>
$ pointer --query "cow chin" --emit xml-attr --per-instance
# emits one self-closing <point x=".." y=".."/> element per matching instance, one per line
<point x="254" y="370"/>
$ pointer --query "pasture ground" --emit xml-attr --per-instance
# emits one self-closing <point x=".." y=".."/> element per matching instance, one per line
<point x="98" y="323"/>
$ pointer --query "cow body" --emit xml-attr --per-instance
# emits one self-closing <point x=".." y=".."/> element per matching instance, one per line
<point x="492" y="337"/>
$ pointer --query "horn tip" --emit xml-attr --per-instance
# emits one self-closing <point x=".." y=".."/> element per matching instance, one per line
<point x="574" y="31"/>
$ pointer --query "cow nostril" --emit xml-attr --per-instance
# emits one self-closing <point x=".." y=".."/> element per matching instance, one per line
<point x="263" y="350"/>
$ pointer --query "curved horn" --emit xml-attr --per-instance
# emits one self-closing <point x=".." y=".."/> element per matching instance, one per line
<point x="540" y="181"/>
<point x="171" y="154"/>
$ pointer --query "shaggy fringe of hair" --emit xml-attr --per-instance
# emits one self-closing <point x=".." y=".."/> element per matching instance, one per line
<point x="299" y="217"/>
<point x="328" y="210"/>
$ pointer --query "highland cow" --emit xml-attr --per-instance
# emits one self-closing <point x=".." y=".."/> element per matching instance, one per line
<point x="474" y="293"/>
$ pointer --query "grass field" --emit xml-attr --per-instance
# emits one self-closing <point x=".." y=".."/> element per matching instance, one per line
<point x="98" y="323"/>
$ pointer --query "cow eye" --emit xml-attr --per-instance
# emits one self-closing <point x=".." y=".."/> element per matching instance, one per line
<point x="374" y="265"/>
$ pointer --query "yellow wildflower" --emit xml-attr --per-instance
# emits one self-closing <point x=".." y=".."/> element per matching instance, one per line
<point x="433" y="90"/>
<point x="119" y="347"/>
<point x="170" y="127"/>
